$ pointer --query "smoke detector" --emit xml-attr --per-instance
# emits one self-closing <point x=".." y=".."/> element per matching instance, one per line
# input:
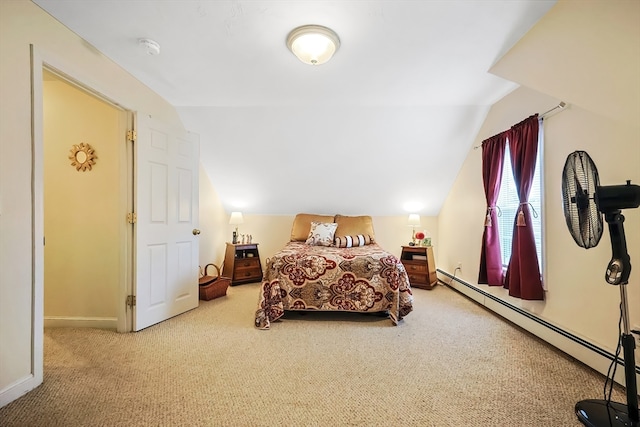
<point x="150" y="46"/>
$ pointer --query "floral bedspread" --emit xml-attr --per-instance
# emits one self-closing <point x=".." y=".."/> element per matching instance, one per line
<point x="362" y="279"/>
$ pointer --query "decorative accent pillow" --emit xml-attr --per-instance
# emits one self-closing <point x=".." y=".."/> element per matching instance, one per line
<point x="351" y="241"/>
<point x="302" y="225"/>
<point x="321" y="233"/>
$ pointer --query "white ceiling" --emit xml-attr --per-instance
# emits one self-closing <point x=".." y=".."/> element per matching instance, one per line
<point x="385" y="124"/>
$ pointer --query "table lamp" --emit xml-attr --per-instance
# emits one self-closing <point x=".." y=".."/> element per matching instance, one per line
<point x="236" y="219"/>
<point x="414" y="220"/>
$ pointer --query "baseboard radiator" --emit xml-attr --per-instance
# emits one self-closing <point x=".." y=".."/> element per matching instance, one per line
<point x="588" y="353"/>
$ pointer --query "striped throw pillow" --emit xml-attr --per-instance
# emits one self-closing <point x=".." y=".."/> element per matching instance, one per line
<point x="351" y="241"/>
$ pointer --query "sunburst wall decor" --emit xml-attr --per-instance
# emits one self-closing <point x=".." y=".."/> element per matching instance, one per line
<point x="82" y="157"/>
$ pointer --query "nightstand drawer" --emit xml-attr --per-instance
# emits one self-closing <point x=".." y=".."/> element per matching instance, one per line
<point x="415" y="268"/>
<point x="247" y="262"/>
<point x="248" y="273"/>
<point x="417" y="278"/>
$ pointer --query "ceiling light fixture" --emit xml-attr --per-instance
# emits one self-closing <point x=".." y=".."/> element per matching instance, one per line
<point x="313" y="44"/>
<point x="150" y="46"/>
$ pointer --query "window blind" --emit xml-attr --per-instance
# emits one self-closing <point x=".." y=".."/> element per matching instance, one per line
<point x="508" y="203"/>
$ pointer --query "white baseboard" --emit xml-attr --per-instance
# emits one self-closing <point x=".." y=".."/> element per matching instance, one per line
<point x="579" y="348"/>
<point x="18" y="389"/>
<point x="81" y="322"/>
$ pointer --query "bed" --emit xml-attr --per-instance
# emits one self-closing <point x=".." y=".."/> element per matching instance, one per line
<point x="332" y="263"/>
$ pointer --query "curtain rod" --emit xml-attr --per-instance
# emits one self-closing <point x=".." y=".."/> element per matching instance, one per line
<point x="562" y="105"/>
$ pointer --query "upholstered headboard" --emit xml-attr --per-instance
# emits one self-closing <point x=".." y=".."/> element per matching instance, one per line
<point x="354" y="225"/>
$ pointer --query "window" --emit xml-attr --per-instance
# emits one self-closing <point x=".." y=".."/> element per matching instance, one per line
<point x="508" y="203"/>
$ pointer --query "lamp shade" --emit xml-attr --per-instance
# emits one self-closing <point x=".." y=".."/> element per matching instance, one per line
<point x="414" y="219"/>
<point x="236" y="218"/>
<point x="313" y="44"/>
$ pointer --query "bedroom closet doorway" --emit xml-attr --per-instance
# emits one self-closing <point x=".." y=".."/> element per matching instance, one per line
<point x="84" y="162"/>
<point x="120" y="212"/>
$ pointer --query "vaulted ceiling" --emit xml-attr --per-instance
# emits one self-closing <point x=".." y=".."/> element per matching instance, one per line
<point x="381" y="129"/>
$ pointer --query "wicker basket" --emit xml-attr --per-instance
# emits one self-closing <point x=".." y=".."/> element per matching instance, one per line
<point x="215" y="290"/>
<point x="212" y="286"/>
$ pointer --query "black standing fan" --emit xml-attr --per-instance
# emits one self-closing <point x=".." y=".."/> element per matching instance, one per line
<point x="585" y="201"/>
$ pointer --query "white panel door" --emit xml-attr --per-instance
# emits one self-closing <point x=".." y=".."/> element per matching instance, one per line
<point x="166" y="204"/>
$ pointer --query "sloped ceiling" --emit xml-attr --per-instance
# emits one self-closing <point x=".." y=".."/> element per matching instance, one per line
<point x="381" y="129"/>
<point x="585" y="53"/>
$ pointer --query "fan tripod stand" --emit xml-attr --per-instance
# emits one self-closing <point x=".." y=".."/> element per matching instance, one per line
<point x="604" y="413"/>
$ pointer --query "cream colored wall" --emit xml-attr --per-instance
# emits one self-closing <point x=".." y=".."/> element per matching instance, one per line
<point x="213" y="223"/>
<point x="23" y="23"/>
<point x="585" y="52"/>
<point x="82" y="209"/>
<point x="577" y="298"/>
<point x="271" y="232"/>
<point x="392" y="232"/>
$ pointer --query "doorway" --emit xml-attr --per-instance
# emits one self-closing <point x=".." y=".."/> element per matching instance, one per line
<point x="85" y="203"/>
<point x="182" y="285"/>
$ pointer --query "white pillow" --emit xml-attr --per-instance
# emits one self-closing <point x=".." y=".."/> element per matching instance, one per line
<point x="321" y="233"/>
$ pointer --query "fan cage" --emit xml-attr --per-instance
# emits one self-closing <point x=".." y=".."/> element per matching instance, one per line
<point x="579" y="183"/>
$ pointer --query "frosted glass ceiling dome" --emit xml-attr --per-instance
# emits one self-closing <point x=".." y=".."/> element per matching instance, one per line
<point x="313" y="44"/>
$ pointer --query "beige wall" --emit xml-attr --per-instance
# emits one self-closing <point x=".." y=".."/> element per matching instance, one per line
<point x="22" y="23"/>
<point x="213" y="223"/>
<point x="577" y="298"/>
<point x="82" y="209"/>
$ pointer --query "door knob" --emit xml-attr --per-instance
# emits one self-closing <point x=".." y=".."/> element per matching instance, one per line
<point x="195" y="231"/>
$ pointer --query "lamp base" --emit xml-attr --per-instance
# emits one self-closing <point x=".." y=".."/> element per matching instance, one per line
<point x="600" y="413"/>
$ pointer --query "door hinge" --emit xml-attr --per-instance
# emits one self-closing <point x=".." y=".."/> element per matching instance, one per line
<point x="132" y="218"/>
<point x="131" y="301"/>
<point x="131" y="136"/>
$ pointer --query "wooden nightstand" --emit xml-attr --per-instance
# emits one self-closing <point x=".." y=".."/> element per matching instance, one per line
<point x="420" y="266"/>
<point x="242" y="263"/>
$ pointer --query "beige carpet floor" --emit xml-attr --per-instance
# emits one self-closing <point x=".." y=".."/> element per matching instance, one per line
<point x="449" y="363"/>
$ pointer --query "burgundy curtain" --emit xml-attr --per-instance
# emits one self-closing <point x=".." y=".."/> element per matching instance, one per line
<point x="490" y="255"/>
<point x="523" y="274"/>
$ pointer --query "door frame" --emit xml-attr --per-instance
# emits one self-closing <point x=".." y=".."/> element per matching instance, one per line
<point x="39" y="62"/>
